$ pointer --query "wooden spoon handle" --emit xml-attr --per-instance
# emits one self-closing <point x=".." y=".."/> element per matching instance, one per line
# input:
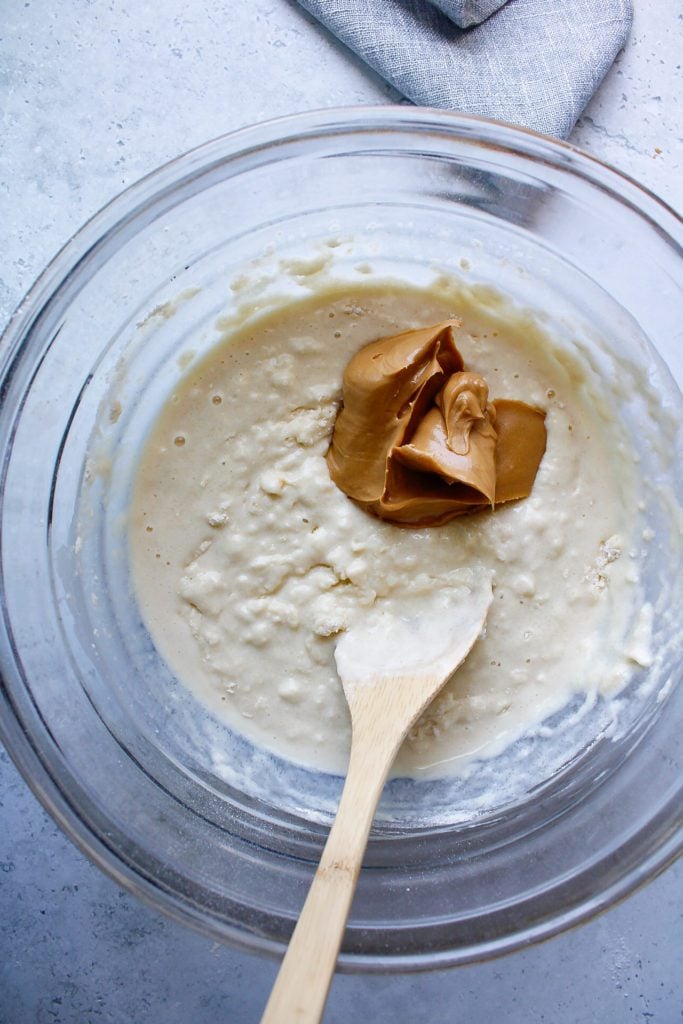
<point x="302" y="984"/>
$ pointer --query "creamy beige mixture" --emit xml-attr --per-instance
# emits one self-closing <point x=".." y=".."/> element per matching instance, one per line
<point x="248" y="562"/>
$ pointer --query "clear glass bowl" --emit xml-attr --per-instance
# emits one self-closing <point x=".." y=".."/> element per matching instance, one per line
<point x="114" y="748"/>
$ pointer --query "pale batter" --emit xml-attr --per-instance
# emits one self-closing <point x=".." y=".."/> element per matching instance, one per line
<point x="248" y="561"/>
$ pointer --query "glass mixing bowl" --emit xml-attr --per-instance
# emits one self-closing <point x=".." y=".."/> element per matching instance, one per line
<point x="118" y="752"/>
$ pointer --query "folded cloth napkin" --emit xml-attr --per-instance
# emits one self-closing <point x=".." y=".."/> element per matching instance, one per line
<point x="468" y="12"/>
<point x="530" y="62"/>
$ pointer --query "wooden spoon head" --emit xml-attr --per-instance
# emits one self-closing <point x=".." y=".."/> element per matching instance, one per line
<point x="397" y="663"/>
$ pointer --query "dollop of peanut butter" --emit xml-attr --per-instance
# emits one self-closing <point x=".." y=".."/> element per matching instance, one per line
<point x="418" y="442"/>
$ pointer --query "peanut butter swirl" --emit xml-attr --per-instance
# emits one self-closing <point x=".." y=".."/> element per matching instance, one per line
<point x="417" y="440"/>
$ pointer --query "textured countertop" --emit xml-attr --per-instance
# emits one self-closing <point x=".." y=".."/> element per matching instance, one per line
<point x="94" y="95"/>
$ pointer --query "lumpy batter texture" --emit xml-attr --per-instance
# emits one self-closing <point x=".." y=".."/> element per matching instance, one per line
<point x="249" y="562"/>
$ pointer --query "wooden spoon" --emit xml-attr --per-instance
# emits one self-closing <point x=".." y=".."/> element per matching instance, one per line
<point x="391" y="669"/>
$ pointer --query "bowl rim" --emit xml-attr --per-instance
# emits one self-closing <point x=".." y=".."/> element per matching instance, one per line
<point x="324" y="120"/>
<point x="124" y="207"/>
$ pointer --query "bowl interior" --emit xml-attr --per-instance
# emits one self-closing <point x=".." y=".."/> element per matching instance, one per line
<point x="180" y="807"/>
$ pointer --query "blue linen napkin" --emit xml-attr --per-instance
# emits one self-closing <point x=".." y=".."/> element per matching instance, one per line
<point x="530" y="62"/>
<point x="466" y="13"/>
